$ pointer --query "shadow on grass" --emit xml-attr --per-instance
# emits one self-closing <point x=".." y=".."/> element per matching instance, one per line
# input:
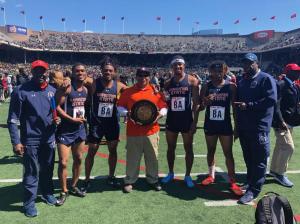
<point x="10" y="160"/>
<point x="3" y="125"/>
<point x="163" y="127"/>
<point x="218" y="191"/>
<point x="10" y="196"/>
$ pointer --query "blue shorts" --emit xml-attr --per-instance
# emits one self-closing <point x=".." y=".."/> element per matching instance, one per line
<point x="111" y="132"/>
<point x="179" y="121"/>
<point x="70" y="139"/>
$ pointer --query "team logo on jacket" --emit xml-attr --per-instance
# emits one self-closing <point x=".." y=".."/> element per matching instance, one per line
<point x="50" y="94"/>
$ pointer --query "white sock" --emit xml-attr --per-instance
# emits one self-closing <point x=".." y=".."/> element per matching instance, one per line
<point x="211" y="171"/>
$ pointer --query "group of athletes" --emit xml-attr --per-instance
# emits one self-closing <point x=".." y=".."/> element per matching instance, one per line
<point x="59" y="109"/>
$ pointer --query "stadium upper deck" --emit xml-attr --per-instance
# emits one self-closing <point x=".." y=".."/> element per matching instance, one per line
<point x="94" y="42"/>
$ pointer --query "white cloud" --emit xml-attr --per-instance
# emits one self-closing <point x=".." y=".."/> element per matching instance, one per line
<point x="17" y="5"/>
<point x="2" y="1"/>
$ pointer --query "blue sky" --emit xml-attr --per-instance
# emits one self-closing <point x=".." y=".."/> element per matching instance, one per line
<point x="140" y="15"/>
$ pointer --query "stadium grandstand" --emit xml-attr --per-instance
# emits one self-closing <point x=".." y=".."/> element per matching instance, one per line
<point x="21" y="45"/>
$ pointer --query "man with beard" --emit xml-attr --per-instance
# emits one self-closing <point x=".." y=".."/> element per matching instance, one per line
<point x="71" y="134"/>
<point x="31" y="105"/>
<point x="182" y="117"/>
<point x="256" y="98"/>
<point x="104" y="121"/>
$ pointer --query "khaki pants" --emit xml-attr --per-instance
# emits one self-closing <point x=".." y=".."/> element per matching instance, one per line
<point x="284" y="148"/>
<point x="137" y="146"/>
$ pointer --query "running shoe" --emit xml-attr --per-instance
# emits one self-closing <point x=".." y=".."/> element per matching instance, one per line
<point x="189" y="182"/>
<point x="208" y="180"/>
<point x="168" y="178"/>
<point x="62" y="198"/>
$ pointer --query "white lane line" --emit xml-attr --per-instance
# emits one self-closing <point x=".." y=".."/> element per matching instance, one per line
<point x="196" y="156"/>
<point x="219" y="171"/>
<point x="181" y="143"/>
<point x="223" y="203"/>
<point x="289" y="171"/>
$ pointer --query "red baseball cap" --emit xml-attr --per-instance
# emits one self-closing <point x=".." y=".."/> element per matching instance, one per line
<point x="291" y="67"/>
<point x="39" y="63"/>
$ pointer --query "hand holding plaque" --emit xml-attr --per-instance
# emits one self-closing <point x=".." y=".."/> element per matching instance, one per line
<point x="143" y="112"/>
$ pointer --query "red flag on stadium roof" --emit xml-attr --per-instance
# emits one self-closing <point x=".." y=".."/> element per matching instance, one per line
<point x="122" y="18"/>
<point x="178" y="18"/>
<point x="237" y="21"/>
<point x="254" y="18"/>
<point x="293" y="16"/>
<point x="216" y="23"/>
<point x="273" y="17"/>
<point x="22" y="12"/>
<point x="63" y="19"/>
<point x="103" y="17"/>
<point x="158" y="18"/>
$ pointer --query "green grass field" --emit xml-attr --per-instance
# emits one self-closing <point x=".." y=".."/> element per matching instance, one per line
<point x="174" y="204"/>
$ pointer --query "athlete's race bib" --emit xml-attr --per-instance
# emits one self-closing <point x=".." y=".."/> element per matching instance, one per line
<point x="217" y="113"/>
<point x="105" y="109"/>
<point x="78" y="112"/>
<point x="178" y="104"/>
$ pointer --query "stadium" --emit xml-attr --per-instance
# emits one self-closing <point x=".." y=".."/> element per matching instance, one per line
<point x="20" y="46"/>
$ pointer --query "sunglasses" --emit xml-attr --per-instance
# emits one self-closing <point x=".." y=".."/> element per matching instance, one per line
<point x="143" y="74"/>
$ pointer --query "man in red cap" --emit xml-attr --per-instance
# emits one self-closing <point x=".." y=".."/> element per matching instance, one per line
<point x="32" y="104"/>
<point x="286" y="116"/>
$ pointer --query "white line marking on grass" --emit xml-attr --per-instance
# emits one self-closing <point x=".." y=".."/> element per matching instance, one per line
<point x="289" y="171"/>
<point x="293" y="171"/>
<point x="223" y="203"/>
<point x="219" y="172"/>
<point x="181" y="143"/>
<point x="196" y="156"/>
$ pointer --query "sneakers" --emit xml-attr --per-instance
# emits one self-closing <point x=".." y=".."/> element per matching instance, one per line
<point x="62" y="198"/>
<point x="156" y="186"/>
<point x="236" y="189"/>
<point x="208" y="180"/>
<point x="86" y="186"/>
<point x="189" y="182"/>
<point x="127" y="188"/>
<point x="247" y="198"/>
<point x="77" y="192"/>
<point x="112" y="181"/>
<point x="30" y="211"/>
<point x="244" y="188"/>
<point x="49" y="199"/>
<point x="168" y="178"/>
<point x="282" y="179"/>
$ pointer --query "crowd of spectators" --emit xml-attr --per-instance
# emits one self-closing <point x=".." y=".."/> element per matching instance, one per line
<point x="287" y="39"/>
<point x="75" y="41"/>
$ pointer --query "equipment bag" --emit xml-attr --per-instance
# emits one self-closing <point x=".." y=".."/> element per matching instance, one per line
<point x="274" y="209"/>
